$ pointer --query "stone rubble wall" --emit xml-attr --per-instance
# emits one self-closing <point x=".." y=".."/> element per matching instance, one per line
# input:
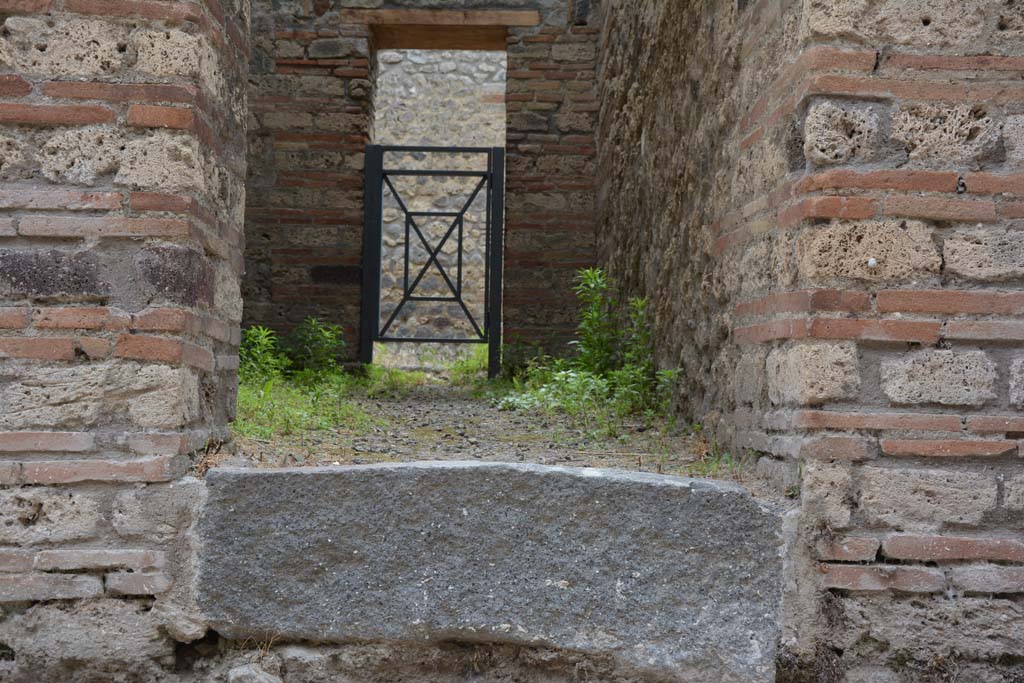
<point x="823" y="201"/>
<point x="122" y="163"/>
<point x="436" y="98"/>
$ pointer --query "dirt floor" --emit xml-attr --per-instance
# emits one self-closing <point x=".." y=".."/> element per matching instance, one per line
<point x="442" y="422"/>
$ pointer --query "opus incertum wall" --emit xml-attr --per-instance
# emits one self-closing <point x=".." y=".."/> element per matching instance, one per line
<point x="668" y="576"/>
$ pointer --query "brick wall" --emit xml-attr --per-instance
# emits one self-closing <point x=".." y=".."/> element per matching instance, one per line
<point x="120" y="255"/>
<point x="311" y="112"/>
<point x="309" y="123"/>
<point x="551" y="102"/>
<point x="829" y="238"/>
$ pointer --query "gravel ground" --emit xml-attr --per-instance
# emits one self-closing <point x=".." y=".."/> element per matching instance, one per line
<point x="440" y="422"/>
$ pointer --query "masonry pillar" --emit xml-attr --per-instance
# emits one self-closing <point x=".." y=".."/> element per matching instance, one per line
<point x="122" y="167"/>
<point x="823" y="202"/>
<point x="890" y="336"/>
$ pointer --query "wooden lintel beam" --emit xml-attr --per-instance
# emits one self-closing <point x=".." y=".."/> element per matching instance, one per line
<point x="419" y="37"/>
<point x="427" y="17"/>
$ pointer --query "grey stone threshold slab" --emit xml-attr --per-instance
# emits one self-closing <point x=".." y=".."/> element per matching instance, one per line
<point x="673" y="576"/>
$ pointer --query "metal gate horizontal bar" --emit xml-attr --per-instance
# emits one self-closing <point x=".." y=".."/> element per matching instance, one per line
<point x="438" y="299"/>
<point x="459" y="174"/>
<point x="442" y="150"/>
<point x="432" y="340"/>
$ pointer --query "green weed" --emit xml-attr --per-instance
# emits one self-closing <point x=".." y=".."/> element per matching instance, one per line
<point x="380" y="381"/>
<point x="612" y="374"/>
<point x="470" y="370"/>
<point x="259" y="356"/>
<point x="315" y="347"/>
<point x="599" y="341"/>
<point x="714" y="463"/>
<point x="280" y="406"/>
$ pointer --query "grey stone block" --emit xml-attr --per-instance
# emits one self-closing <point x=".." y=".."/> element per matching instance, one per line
<point x="672" y="575"/>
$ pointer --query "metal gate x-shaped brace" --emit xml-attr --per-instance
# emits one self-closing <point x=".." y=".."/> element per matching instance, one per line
<point x="492" y="185"/>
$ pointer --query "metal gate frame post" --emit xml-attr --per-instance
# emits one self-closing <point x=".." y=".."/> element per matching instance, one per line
<point x="372" y="206"/>
<point x="497" y="235"/>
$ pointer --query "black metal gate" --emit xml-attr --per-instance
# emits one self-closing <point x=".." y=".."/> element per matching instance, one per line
<point x="487" y="185"/>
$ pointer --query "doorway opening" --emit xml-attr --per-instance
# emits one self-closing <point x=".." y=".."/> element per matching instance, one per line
<point x="439" y="137"/>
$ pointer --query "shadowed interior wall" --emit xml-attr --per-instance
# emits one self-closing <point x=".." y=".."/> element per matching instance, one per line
<point x="823" y="201"/>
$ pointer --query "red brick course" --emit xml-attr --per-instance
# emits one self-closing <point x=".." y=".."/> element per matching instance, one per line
<point x="120" y="92"/>
<point x="15" y="560"/>
<point x="988" y="579"/>
<point x="994" y="330"/>
<point x="54" y="115"/>
<point x="162" y="350"/>
<point x="100" y="558"/>
<point x="150" y="116"/>
<point x="848" y="549"/>
<point x="947" y="448"/>
<point x="849" y="208"/>
<point x="820" y="419"/>
<point x="882" y="578"/>
<point x="903" y="181"/>
<point x="136" y="583"/>
<point x="38" y="348"/>
<point x="80" y="318"/>
<point x="31" y="587"/>
<point x="66" y="200"/>
<point x="73" y="471"/>
<point x="951" y="301"/>
<point x="945" y="548"/>
<point x="14" y="317"/>
<point x="12" y="442"/>
<point x="25" y="6"/>
<point x="805" y="301"/>
<point x="993" y="424"/>
<point x="936" y="208"/>
<point x="14" y="86"/>
<point x="59" y="226"/>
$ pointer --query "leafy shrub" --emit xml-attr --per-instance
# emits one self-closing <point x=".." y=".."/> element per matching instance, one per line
<point x="259" y="355"/>
<point x="598" y="343"/>
<point x="613" y="368"/>
<point x="316" y="347"/>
